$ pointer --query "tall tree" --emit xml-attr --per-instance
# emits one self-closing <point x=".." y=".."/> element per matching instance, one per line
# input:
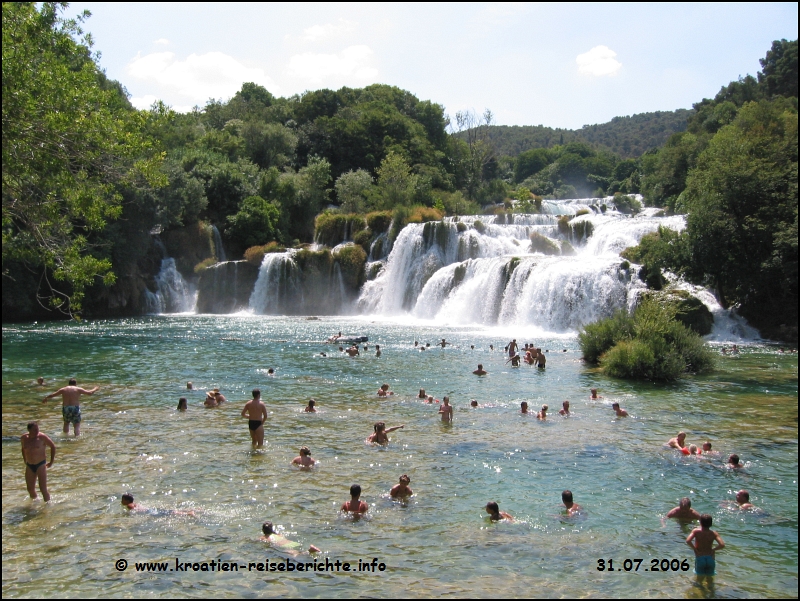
<point x="69" y="144"/>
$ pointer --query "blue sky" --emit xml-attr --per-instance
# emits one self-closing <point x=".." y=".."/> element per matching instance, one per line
<point x="560" y="65"/>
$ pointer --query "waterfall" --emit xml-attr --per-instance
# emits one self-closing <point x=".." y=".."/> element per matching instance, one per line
<point x="173" y="294"/>
<point x="277" y="286"/>
<point x="482" y="269"/>
<point x="219" y="250"/>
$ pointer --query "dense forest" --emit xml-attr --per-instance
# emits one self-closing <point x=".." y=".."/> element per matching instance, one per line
<point x="88" y="180"/>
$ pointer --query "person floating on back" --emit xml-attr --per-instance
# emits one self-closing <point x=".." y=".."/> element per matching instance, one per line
<point x="702" y="540"/>
<point x="281" y="542"/>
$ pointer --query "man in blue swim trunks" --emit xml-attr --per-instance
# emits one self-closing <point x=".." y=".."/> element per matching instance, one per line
<point x="701" y="540"/>
<point x="71" y="409"/>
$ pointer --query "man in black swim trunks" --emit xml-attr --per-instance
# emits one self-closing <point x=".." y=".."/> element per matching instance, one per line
<point x="33" y="453"/>
<point x="256" y="412"/>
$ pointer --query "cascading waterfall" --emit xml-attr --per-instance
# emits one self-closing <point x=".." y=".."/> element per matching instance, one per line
<point x="173" y="294"/>
<point x="278" y="284"/>
<point x="481" y="269"/>
<point x="219" y="250"/>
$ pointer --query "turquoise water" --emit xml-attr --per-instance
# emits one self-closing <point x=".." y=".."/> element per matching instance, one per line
<point x="440" y="543"/>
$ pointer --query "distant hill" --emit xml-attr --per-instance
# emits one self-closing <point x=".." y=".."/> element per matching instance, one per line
<point x="628" y="137"/>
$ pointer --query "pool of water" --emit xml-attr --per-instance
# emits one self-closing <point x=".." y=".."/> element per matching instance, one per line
<point x="439" y="543"/>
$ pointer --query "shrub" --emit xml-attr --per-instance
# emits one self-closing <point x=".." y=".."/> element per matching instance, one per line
<point x="205" y="264"/>
<point x="626" y="204"/>
<point x="461" y="227"/>
<point x="544" y="245"/>
<point x="255" y="223"/>
<point x="255" y="255"/>
<point x="363" y="239"/>
<point x="479" y="225"/>
<point x="582" y="212"/>
<point x="334" y="228"/>
<point x="598" y="337"/>
<point x="351" y="260"/>
<point x="379" y="221"/>
<point x="652" y="344"/>
<point x="421" y="214"/>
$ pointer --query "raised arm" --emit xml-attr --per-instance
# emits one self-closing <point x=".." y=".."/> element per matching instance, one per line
<point x="92" y="391"/>
<point x="394" y="428"/>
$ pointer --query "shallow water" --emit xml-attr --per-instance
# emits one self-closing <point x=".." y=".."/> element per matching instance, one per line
<point x="440" y="543"/>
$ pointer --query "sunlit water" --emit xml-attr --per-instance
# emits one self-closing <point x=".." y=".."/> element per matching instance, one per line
<point x="438" y="544"/>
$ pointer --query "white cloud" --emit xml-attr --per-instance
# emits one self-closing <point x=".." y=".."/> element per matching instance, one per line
<point x="161" y="42"/>
<point x="194" y="80"/>
<point x="316" y="33"/>
<point x="353" y="64"/>
<point x="598" y="61"/>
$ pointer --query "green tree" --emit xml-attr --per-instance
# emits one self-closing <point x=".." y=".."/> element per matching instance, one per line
<point x="779" y="69"/>
<point x="352" y="189"/>
<point x="69" y="144"/>
<point x="742" y="202"/>
<point x="255" y="224"/>
<point x="396" y="184"/>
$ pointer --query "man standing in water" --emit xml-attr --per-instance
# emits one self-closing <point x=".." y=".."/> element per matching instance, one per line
<point x="33" y="454"/>
<point x="256" y="412"/>
<point x="71" y="408"/>
<point x="446" y="410"/>
<point x="512" y="348"/>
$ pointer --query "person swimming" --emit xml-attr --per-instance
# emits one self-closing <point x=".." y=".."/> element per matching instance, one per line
<point x="402" y="489"/>
<point x="379" y="435"/>
<point x="281" y="542"/>
<point x="493" y="509"/>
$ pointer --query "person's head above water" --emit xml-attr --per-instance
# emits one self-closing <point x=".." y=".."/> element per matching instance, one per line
<point x="267" y="528"/>
<point x="305" y="451"/>
<point x="127" y="498"/>
<point x="379" y="427"/>
<point x="355" y="491"/>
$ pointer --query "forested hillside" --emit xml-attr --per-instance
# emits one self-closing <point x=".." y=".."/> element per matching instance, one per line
<point x="627" y="137"/>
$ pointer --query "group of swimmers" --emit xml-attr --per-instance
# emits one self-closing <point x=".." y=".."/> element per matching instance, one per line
<point x="35" y="443"/>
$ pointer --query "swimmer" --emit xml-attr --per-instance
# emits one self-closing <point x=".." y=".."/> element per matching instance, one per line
<point x="693" y="450"/>
<point x="256" y="413"/>
<point x="472" y="347"/>
<point x="515" y="359"/>
<point x="323" y="354"/>
<point x="473" y="403"/>
<point x="380" y="432"/>
<point x="128" y="503"/>
<point x="541" y="360"/>
<point x="40" y="381"/>
<point x="565" y="409"/>
<point x="594" y="396"/>
<point x="617" y="410"/>
<point x="281" y="542"/>
<point x="341" y="349"/>
<point x="529" y="358"/>
<point x="353" y="351"/>
<point x="701" y="540"/>
<point x="493" y="509"/>
<point x="402" y="489"/>
<point x="523" y="407"/>
<point x="377" y="350"/>
<point x="189" y="386"/>
<point x="572" y="507"/>
<point x="270" y="372"/>
<point x="355" y="505"/>
<point x="480" y="371"/>
<point x="743" y="500"/>
<point x="684" y="511"/>
<point x="446" y="410"/>
<point x="182" y="406"/>
<point x="422" y="394"/>
<point x="429" y="399"/>
<point x="444" y="343"/>
<point x="384" y="391"/>
<point x="310" y="407"/>
<point x="71" y="407"/>
<point x="707" y="448"/>
<point x="491" y="347"/>
<point x="36" y="466"/>
<point x="512" y="348"/>
<point x="678" y="442"/>
<point x="733" y="462"/>
<point x="304" y="459"/>
<point x="542" y="415"/>
<point x="211" y="400"/>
